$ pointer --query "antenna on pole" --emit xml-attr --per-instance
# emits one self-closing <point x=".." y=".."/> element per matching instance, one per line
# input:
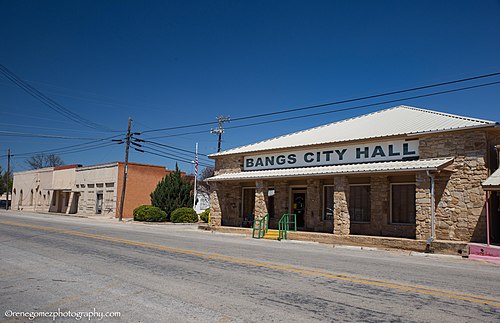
<point x="219" y="131"/>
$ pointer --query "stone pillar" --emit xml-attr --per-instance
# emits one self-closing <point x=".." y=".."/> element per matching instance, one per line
<point x="313" y="204"/>
<point x="215" y="208"/>
<point x="379" y="196"/>
<point x="423" y="206"/>
<point x="341" y="220"/>
<point x="260" y="199"/>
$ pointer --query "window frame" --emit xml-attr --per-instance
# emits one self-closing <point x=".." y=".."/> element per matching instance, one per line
<point x="369" y="199"/>
<point x="391" y="222"/>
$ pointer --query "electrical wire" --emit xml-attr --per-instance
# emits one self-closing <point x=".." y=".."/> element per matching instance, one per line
<point x="48" y="101"/>
<point x="167" y="155"/>
<point x="332" y="103"/>
<point x="337" y="110"/>
<point x="35" y="135"/>
<point x="172" y="147"/>
<point x="56" y="150"/>
<point x="177" y="153"/>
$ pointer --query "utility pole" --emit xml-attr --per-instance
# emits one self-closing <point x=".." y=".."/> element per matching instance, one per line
<point x="195" y="178"/>
<point x="125" y="168"/>
<point x="219" y="131"/>
<point x="8" y="179"/>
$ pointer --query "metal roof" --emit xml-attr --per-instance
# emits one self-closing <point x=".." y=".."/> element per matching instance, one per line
<point x="400" y="120"/>
<point x="431" y="164"/>
<point x="492" y="182"/>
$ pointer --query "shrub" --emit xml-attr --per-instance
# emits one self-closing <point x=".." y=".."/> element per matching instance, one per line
<point x="149" y="213"/>
<point x="205" y="215"/>
<point x="172" y="192"/>
<point x="184" y="215"/>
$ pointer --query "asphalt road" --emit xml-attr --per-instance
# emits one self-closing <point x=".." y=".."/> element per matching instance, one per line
<point x="176" y="273"/>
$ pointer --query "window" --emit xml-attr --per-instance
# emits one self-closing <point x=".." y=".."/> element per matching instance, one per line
<point x="403" y="208"/>
<point x="359" y="203"/>
<point x="270" y="202"/>
<point x="110" y="184"/>
<point x="328" y="202"/>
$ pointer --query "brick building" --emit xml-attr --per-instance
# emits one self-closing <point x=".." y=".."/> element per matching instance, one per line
<point x="89" y="190"/>
<point x="400" y="172"/>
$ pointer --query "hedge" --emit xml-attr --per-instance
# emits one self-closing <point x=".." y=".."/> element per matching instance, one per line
<point x="184" y="215"/>
<point x="149" y="213"/>
<point x="205" y="215"/>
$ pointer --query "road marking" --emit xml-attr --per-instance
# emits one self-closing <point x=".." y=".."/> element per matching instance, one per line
<point x="420" y="289"/>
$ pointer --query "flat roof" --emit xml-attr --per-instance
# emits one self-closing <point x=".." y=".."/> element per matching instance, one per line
<point x="431" y="164"/>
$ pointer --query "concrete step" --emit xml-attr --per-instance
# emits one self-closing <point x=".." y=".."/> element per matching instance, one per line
<point x="272" y="235"/>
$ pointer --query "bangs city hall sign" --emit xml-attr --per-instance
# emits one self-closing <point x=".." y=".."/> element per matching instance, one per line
<point x="362" y="153"/>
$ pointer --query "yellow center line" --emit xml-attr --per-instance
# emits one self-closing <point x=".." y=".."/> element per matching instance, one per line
<point x="420" y="289"/>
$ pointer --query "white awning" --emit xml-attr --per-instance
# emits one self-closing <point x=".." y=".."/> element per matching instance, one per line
<point x="492" y="183"/>
<point x="382" y="167"/>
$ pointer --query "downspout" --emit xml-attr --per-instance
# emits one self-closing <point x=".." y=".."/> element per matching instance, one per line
<point x="432" y="237"/>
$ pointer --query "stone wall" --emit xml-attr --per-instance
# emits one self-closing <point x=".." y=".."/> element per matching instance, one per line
<point x="228" y="164"/>
<point x="225" y="204"/>
<point x="459" y="198"/>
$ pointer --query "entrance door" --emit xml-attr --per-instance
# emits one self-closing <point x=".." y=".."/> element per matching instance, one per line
<point x="299" y="206"/>
<point x="98" y="208"/>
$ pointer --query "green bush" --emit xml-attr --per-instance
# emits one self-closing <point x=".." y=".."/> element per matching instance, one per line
<point x="205" y="215"/>
<point x="184" y="215"/>
<point x="172" y="192"/>
<point x="149" y="213"/>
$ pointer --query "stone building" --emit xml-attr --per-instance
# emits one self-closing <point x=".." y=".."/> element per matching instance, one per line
<point x="400" y="172"/>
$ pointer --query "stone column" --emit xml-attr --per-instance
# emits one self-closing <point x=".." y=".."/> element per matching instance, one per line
<point x="260" y="199"/>
<point x="313" y="204"/>
<point x="341" y="220"/>
<point x="423" y="206"/>
<point x="215" y="208"/>
<point x="379" y="196"/>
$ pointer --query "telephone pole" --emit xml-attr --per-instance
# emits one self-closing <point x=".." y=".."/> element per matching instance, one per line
<point x="8" y="179"/>
<point x="125" y="168"/>
<point x="219" y="131"/>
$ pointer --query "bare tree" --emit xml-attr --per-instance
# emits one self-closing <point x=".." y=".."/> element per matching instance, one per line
<point x="205" y="173"/>
<point x="42" y="160"/>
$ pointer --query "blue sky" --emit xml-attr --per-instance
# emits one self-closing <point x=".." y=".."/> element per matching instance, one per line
<point x="171" y="63"/>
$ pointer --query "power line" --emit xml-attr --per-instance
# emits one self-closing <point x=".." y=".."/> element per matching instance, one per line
<point x="172" y="147"/>
<point x="365" y="105"/>
<point x="48" y="128"/>
<point x="55" y="150"/>
<point x="48" y="101"/>
<point x="330" y="103"/>
<point x="175" y="153"/>
<point x="167" y="155"/>
<point x="36" y="135"/>
<point x="337" y="110"/>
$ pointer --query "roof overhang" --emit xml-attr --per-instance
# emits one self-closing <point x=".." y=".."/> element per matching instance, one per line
<point x="492" y="183"/>
<point x="433" y="164"/>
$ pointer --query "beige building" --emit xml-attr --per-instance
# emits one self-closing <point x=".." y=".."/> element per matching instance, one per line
<point x="32" y="190"/>
<point x="401" y="172"/>
<point x="89" y="190"/>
